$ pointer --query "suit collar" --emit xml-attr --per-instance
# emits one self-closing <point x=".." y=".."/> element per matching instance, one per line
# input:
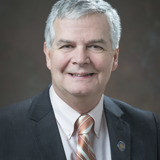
<point x="41" y="106"/>
<point x="119" y="130"/>
<point x="45" y="129"/>
<point x="112" y="107"/>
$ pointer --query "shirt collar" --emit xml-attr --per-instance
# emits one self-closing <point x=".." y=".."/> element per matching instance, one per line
<point x="61" y="109"/>
<point x="96" y="114"/>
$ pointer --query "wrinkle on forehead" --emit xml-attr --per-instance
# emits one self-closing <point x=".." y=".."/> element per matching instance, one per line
<point x="88" y="28"/>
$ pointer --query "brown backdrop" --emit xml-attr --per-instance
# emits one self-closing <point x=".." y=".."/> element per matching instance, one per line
<point x="22" y="62"/>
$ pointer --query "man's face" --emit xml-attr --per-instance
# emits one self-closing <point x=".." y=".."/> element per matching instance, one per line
<point x="81" y="59"/>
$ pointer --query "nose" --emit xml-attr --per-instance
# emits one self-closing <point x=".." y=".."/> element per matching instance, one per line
<point x="80" y="57"/>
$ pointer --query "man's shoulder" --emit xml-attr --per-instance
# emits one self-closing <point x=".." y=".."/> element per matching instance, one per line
<point x="24" y="106"/>
<point x="24" y="109"/>
<point x="128" y="111"/>
<point x="19" y="109"/>
<point x="16" y="109"/>
<point x="134" y="117"/>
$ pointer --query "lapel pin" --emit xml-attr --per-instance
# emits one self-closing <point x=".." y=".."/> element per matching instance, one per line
<point x="121" y="146"/>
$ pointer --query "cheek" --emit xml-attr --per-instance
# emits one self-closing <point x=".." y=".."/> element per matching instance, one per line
<point x="59" y="62"/>
<point x="103" y="64"/>
<point x="104" y="68"/>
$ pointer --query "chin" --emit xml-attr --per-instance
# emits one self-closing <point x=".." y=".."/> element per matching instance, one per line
<point x="81" y="92"/>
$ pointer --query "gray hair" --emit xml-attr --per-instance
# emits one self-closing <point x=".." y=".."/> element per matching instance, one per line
<point x="74" y="9"/>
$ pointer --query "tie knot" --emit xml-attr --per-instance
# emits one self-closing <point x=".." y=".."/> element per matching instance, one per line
<point x="84" y="124"/>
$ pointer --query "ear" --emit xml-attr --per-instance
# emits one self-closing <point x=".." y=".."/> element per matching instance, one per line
<point x="47" y="53"/>
<point x="115" y="60"/>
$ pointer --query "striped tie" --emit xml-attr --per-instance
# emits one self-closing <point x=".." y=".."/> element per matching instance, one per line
<point x="84" y="149"/>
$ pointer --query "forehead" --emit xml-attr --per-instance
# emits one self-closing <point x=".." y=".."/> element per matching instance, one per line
<point x="85" y="26"/>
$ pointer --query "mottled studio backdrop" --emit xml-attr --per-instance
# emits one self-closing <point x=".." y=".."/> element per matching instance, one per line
<point x="23" y="73"/>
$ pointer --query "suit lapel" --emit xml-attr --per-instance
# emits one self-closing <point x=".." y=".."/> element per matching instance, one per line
<point x="119" y="131"/>
<point x="45" y="128"/>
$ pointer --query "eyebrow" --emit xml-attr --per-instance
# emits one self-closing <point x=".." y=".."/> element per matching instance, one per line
<point x="62" y="41"/>
<point x="98" y="41"/>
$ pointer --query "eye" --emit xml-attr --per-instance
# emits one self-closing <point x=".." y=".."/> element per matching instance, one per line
<point x="95" y="48"/>
<point x="66" y="47"/>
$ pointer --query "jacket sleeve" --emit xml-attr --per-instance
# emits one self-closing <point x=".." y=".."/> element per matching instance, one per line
<point x="157" y="121"/>
<point x="5" y="137"/>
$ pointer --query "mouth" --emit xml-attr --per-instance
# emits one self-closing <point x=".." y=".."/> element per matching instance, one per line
<point x="81" y="74"/>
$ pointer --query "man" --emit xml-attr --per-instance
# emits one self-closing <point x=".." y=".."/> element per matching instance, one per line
<point x="72" y="119"/>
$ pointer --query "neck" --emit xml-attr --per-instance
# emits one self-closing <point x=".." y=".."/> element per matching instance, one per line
<point x="82" y="104"/>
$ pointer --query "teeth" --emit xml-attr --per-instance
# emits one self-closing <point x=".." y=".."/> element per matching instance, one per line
<point x="82" y="75"/>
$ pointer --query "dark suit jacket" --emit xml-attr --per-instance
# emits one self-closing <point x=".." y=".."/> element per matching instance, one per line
<point x="28" y="131"/>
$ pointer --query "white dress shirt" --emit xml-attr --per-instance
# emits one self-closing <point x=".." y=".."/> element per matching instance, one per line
<point x="66" y="118"/>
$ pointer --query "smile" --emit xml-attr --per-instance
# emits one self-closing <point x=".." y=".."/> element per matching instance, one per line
<point x="81" y="74"/>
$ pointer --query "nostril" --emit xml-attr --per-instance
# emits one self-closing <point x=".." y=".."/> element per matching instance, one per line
<point x="80" y="61"/>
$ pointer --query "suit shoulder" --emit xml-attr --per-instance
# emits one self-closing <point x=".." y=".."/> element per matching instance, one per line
<point x="130" y="111"/>
<point x="16" y="109"/>
<point x="139" y="120"/>
<point x="22" y="110"/>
